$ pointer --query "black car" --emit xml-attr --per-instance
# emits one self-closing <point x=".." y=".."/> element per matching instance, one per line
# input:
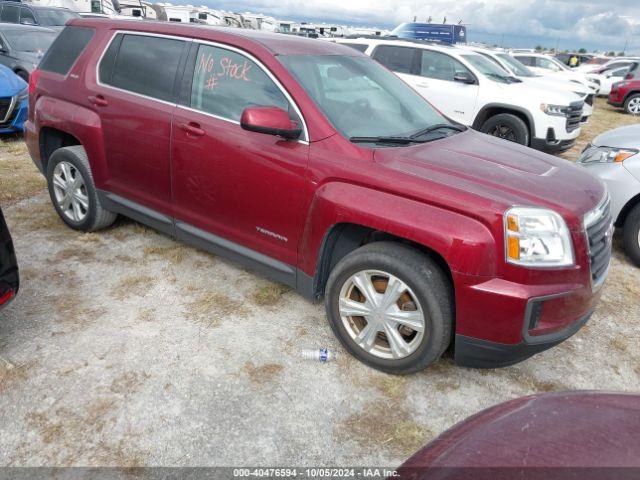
<point x="22" y="47"/>
<point x="9" y="278"/>
<point x="26" y="14"/>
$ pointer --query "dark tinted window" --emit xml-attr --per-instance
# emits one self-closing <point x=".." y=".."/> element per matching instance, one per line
<point x="396" y="59"/>
<point x="146" y="65"/>
<point x="66" y="49"/>
<point x="10" y="14"/>
<point x="225" y="83"/>
<point x="528" y="61"/>
<point x="356" y="46"/>
<point x="26" y="16"/>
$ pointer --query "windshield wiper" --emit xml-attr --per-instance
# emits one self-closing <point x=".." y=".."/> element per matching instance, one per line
<point x="394" y="140"/>
<point x="439" y="126"/>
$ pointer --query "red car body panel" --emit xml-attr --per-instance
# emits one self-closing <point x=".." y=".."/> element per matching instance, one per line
<point x="283" y="199"/>
<point x="620" y="91"/>
<point x="547" y="436"/>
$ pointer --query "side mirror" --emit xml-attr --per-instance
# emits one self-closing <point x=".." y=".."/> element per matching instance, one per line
<point x="464" y="77"/>
<point x="270" y="121"/>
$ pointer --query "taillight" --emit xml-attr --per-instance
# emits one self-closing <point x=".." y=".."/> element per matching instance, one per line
<point x="6" y="297"/>
<point x="33" y="81"/>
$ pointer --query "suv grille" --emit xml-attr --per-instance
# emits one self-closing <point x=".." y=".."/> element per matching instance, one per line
<point x="574" y="116"/>
<point x="598" y="225"/>
<point x="5" y="106"/>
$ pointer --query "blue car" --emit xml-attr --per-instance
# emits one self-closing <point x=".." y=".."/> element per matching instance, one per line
<point x="14" y="101"/>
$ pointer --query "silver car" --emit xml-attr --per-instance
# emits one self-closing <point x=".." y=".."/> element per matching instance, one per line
<point x="614" y="156"/>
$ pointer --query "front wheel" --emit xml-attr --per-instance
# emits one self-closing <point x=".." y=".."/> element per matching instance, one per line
<point x="632" y="104"/>
<point x="391" y="307"/>
<point x="631" y="235"/>
<point x="508" y="127"/>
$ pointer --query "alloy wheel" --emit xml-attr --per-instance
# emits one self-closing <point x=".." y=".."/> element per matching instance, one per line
<point x="634" y="106"/>
<point x="382" y="314"/>
<point x="70" y="192"/>
<point x="505" y="132"/>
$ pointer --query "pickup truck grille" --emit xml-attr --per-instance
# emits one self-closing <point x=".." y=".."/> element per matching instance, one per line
<point x="574" y="116"/>
<point x="598" y="225"/>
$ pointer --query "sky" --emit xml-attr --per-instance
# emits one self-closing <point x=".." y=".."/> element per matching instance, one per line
<point x="569" y="24"/>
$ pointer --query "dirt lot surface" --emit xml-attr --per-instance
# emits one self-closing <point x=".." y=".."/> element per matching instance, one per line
<point x="125" y="348"/>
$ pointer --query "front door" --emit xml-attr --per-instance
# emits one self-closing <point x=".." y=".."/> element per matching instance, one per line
<point x="240" y="191"/>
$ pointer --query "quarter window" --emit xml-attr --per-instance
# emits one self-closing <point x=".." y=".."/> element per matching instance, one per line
<point x="440" y="66"/>
<point x="143" y="64"/>
<point x="225" y="83"/>
<point x="396" y="59"/>
<point x="66" y="49"/>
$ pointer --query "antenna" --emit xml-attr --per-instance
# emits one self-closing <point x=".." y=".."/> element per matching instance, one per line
<point x="414" y="19"/>
<point x="444" y="21"/>
<point x="460" y="22"/>
<point x="429" y="19"/>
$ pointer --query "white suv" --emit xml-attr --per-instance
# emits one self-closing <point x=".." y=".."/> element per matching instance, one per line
<point x="548" y="80"/>
<point x="544" y="64"/>
<point x="474" y="91"/>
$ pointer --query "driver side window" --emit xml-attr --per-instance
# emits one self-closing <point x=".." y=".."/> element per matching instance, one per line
<point x="440" y="66"/>
<point x="548" y="64"/>
<point x="225" y="83"/>
<point x="26" y="17"/>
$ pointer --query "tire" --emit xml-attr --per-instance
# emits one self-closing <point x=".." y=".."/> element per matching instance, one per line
<point x="65" y="166"/>
<point x="23" y="75"/>
<point x="631" y="235"/>
<point x="632" y="104"/>
<point x="428" y="293"/>
<point x="508" y="127"/>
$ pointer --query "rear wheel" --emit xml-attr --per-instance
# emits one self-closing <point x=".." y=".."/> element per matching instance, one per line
<point x="391" y="307"/>
<point x="508" y="127"/>
<point x="631" y="235"/>
<point x="73" y="192"/>
<point x="632" y="104"/>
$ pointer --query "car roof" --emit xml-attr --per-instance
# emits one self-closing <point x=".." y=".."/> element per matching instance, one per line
<point x="276" y="43"/>
<point x="426" y="45"/>
<point x="24" y="28"/>
<point x="33" y="7"/>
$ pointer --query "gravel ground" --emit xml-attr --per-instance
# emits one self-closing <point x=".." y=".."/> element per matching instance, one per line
<point x="125" y="348"/>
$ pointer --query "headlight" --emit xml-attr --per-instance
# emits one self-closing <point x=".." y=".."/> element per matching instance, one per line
<point x="537" y="237"/>
<point x="23" y="95"/>
<point x="594" y="154"/>
<point x="555" y="110"/>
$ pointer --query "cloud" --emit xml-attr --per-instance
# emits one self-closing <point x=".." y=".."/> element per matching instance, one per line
<point x="592" y="21"/>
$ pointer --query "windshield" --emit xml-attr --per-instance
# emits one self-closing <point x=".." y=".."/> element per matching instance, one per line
<point x="360" y="97"/>
<point x="50" y="17"/>
<point x="517" y="67"/>
<point x="35" y="42"/>
<point x="488" y="68"/>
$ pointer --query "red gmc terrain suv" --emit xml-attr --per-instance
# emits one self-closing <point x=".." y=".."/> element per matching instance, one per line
<point x="314" y="165"/>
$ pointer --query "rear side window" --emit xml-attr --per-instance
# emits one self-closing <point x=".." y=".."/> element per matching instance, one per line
<point x="26" y="17"/>
<point x="528" y="61"/>
<point x="143" y="64"/>
<point x="396" y="59"/>
<point x="356" y="46"/>
<point x="66" y="49"/>
<point x="10" y="14"/>
<point x="226" y="82"/>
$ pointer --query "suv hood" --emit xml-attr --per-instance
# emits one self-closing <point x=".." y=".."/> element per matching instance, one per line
<point x="544" y="94"/>
<point x="499" y="173"/>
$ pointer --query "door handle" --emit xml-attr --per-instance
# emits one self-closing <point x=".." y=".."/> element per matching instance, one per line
<point x="192" y="128"/>
<point x="98" y="101"/>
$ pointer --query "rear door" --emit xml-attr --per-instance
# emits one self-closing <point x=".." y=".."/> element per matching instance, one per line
<point x="135" y="97"/>
<point x="248" y="188"/>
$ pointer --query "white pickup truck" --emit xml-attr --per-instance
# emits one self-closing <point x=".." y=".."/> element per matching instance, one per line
<point x="474" y="91"/>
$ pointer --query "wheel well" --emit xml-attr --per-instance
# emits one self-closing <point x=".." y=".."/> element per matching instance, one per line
<point x="489" y="112"/>
<point x="632" y="92"/>
<point x="52" y="139"/>
<point x="344" y="238"/>
<point x="624" y="213"/>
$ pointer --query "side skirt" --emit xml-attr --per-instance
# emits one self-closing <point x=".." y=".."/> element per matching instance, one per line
<point x="255" y="261"/>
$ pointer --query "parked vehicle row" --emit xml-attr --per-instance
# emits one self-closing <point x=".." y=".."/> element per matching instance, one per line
<point x="472" y="87"/>
<point x="331" y="175"/>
